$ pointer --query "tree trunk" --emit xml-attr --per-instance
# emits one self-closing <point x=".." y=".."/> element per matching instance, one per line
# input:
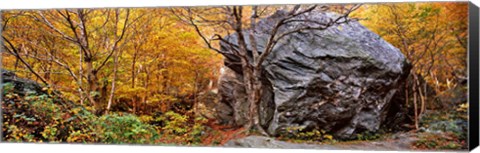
<point x="406" y="95"/>
<point x="134" y="97"/>
<point x="134" y="107"/>
<point x="112" y="91"/>
<point x="92" y="83"/>
<point x="422" y="98"/>
<point x="251" y="76"/>
<point x="415" y="107"/>
<point x="418" y="91"/>
<point x="16" y="64"/>
<point x="80" y="77"/>
<point x="425" y="96"/>
<point x="134" y="61"/>
<point x="145" y="96"/>
<point x="134" y="101"/>
<point x="253" y="88"/>
<point x="257" y="94"/>
<point x="195" y="90"/>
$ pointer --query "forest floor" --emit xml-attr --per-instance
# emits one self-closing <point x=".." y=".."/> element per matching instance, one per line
<point x="398" y="141"/>
<point x="439" y="131"/>
<point x="403" y="141"/>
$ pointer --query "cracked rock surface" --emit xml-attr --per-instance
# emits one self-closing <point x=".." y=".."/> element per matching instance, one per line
<point x="341" y="80"/>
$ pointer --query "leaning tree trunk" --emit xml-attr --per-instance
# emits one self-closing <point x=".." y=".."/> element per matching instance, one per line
<point x="114" y="80"/>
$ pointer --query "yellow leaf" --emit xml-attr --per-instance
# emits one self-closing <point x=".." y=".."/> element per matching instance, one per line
<point x="329" y="137"/>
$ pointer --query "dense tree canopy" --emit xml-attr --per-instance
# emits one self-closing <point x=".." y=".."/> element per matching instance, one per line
<point x="107" y="55"/>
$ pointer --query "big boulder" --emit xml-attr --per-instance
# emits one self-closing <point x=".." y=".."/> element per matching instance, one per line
<point x="341" y="80"/>
<point x="20" y="85"/>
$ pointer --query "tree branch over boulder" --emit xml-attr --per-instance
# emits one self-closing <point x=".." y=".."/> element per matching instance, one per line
<point x="246" y="48"/>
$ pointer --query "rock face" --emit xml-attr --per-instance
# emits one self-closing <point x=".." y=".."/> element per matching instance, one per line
<point x="21" y="86"/>
<point x="341" y="80"/>
<point x="233" y="107"/>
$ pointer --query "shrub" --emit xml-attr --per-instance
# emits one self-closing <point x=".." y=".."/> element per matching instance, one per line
<point x="124" y="129"/>
<point x="43" y="118"/>
<point x="302" y="134"/>
<point x="182" y="129"/>
<point x="146" y="118"/>
<point x="7" y="88"/>
<point x="80" y="126"/>
<point x="453" y="123"/>
<point x="44" y="106"/>
<point x="367" y="136"/>
<point x="24" y="118"/>
<point x="444" y="141"/>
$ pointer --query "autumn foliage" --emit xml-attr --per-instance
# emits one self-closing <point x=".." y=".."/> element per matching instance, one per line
<point x="136" y="75"/>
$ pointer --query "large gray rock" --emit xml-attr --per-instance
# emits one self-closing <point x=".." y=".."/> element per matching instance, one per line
<point x="341" y="80"/>
<point x="21" y="86"/>
<point x="233" y="106"/>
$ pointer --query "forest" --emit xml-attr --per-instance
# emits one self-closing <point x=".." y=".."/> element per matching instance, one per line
<point x="209" y="76"/>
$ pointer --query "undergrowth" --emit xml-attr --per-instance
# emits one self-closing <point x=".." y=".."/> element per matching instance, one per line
<point x="41" y="118"/>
